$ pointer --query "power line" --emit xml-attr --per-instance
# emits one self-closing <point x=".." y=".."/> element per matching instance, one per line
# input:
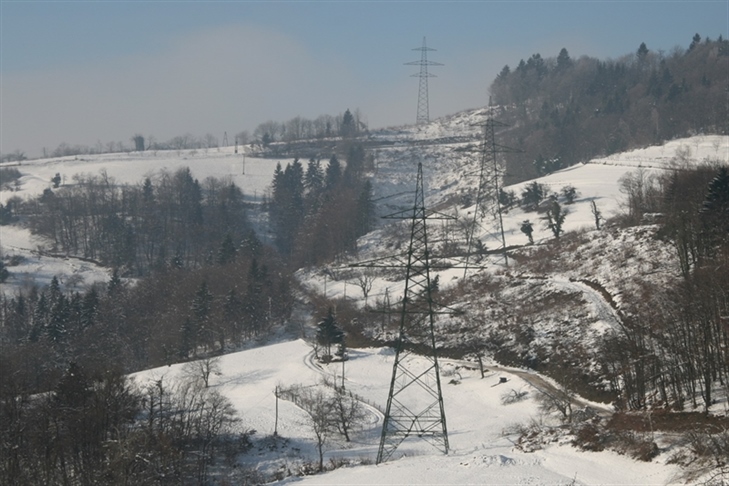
<point x="490" y="174"/>
<point x="423" y="115"/>
<point x="415" y="400"/>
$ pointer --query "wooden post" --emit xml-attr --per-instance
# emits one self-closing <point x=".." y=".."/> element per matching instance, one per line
<point x="275" y="424"/>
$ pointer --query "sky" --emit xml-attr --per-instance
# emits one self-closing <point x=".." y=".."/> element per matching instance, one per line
<point x="90" y="72"/>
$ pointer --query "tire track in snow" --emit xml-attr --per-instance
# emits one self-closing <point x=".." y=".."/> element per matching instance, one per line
<point x="309" y="361"/>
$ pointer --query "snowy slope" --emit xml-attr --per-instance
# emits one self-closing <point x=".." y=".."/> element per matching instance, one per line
<point x="479" y="425"/>
<point x="252" y="175"/>
<point x="480" y="451"/>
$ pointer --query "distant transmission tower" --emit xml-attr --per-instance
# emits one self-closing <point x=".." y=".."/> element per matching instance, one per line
<point x="225" y="139"/>
<point x="489" y="184"/>
<point x="423" y="109"/>
<point x="415" y="401"/>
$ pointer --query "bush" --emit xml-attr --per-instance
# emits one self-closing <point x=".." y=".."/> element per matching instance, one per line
<point x="513" y="396"/>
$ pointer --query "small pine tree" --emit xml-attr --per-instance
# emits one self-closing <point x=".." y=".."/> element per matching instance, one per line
<point x="563" y="60"/>
<point x="507" y="198"/>
<point x="569" y="193"/>
<point x="227" y="250"/>
<point x="329" y="333"/>
<point x="528" y="229"/>
<point x="349" y="125"/>
<point x="532" y="195"/>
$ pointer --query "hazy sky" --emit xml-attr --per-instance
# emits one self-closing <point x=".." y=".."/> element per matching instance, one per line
<point x="83" y="72"/>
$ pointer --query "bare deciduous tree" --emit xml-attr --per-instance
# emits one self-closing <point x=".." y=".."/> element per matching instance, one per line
<point x="346" y="412"/>
<point x="319" y="408"/>
<point x="365" y="281"/>
<point x="201" y="370"/>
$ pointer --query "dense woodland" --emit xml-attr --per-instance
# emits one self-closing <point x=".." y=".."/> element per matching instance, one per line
<point x="319" y="212"/>
<point x="562" y="111"/>
<point x="191" y="280"/>
<point x="174" y="219"/>
<point x="675" y="340"/>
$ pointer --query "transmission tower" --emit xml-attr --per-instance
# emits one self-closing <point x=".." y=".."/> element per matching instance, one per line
<point x="225" y="139"/>
<point x="423" y="116"/>
<point x="415" y="401"/>
<point x="487" y="195"/>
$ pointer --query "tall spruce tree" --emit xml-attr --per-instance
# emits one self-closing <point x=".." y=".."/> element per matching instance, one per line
<point x="333" y="173"/>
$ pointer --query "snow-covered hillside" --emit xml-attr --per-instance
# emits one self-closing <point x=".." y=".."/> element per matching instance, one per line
<point x="447" y="148"/>
<point x="480" y="425"/>
<point x="32" y="261"/>
<point x="481" y="428"/>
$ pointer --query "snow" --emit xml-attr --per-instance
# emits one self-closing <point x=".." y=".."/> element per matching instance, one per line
<point x="37" y="266"/>
<point x="478" y="423"/>
<point x="481" y="448"/>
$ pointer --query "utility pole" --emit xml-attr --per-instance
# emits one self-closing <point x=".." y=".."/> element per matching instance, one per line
<point x="489" y="184"/>
<point x="275" y="424"/>
<point x="415" y="401"/>
<point x="423" y="115"/>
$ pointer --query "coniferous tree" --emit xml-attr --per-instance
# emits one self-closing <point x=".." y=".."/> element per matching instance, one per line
<point x="528" y="230"/>
<point x="313" y="183"/>
<point x="532" y="195"/>
<point x="333" y="173"/>
<point x="365" y="209"/>
<point x="89" y="308"/>
<point x="227" y="250"/>
<point x="201" y="308"/>
<point x="715" y="209"/>
<point x="563" y="60"/>
<point x="355" y="164"/>
<point x="254" y="305"/>
<point x="329" y="333"/>
<point x="57" y="325"/>
<point x="349" y="125"/>
<point x="287" y="206"/>
<point x="251" y="246"/>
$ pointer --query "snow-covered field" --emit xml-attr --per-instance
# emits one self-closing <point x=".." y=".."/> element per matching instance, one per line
<point x="481" y="448"/>
<point x="479" y="425"/>
<point x="447" y="172"/>
<point x="34" y="265"/>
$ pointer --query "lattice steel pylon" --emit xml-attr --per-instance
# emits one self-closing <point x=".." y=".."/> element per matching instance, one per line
<point x="415" y="401"/>
<point x="423" y="116"/>
<point x="489" y="181"/>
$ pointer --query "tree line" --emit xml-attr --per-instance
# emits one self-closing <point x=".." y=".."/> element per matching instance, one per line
<point x="318" y="213"/>
<point x="564" y="110"/>
<point x="96" y="428"/>
<point x="204" y="284"/>
<point x="345" y="124"/>
<point x="214" y="288"/>
<point x="168" y="219"/>
<point x="674" y="341"/>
